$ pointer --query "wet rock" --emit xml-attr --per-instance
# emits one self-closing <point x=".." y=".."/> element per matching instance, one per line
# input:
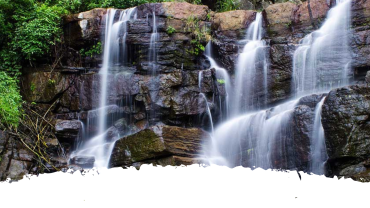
<point x="3" y="140"/>
<point x="170" y="161"/>
<point x="157" y="141"/>
<point x="18" y="169"/>
<point x="112" y="134"/>
<point x="367" y="78"/>
<point x="279" y="17"/>
<point x="311" y="100"/>
<point x="67" y="130"/>
<point x="121" y="125"/>
<point x="47" y="87"/>
<point x="59" y="162"/>
<point x="280" y="72"/>
<point x="249" y="5"/>
<point x="352" y="170"/>
<point x="303" y="126"/>
<point x="233" y="20"/>
<point x="185" y="10"/>
<point x="84" y="28"/>
<point x="187" y="101"/>
<point x="302" y="20"/>
<point x="345" y="118"/>
<point x="170" y="80"/>
<point x="206" y="83"/>
<point x="177" y="161"/>
<point x="83" y="161"/>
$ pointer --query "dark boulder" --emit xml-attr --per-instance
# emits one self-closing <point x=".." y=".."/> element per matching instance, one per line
<point x="67" y="130"/>
<point x="83" y="161"/>
<point x="157" y="142"/>
<point x="346" y="122"/>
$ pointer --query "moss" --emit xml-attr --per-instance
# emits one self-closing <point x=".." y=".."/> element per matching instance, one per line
<point x="143" y="145"/>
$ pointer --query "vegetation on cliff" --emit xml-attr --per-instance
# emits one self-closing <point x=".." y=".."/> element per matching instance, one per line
<point x="30" y="33"/>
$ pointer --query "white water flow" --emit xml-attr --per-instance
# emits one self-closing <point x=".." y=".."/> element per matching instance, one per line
<point x="322" y="61"/>
<point x="265" y="138"/>
<point x="154" y="38"/>
<point x="208" y="111"/>
<point x="221" y="74"/>
<point x="251" y="66"/>
<point x="99" y="146"/>
<point x="318" y="148"/>
<point x="153" y="58"/>
<point x="254" y="139"/>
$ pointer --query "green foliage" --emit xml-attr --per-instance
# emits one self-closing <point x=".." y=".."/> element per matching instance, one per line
<point x="28" y="29"/>
<point x="227" y="5"/>
<point x="200" y="34"/>
<point x="51" y="82"/>
<point x="209" y="16"/>
<point x="170" y="30"/>
<point x="37" y="30"/>
<point x="94" y="50"/>
<point x="32" y="87"/>
<point x="221" y="81"/>
<point x="10" y="101"/>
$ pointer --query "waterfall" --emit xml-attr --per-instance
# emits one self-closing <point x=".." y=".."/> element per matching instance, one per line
<point x="254" y="139"/>
<point x="320" y="63"/>
<point x="221" y="74"/>
<point x="154" y="38"/>
<point x="153" y="58"/>
<point x="265" y="138"/>
<point x="208" y="111"/>
<point x="322" y="60"/>
<point x="250" y="62"/>
<point x="98" y="145"/>
<point x="318" y="148"/>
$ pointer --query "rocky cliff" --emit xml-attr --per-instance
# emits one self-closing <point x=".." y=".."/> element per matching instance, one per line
<point x="173" y="94"/>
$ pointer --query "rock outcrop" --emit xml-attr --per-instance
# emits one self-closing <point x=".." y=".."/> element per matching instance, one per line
<point x="345" y="118"/>
<point x="67" y="130"/>
<point x="172" y="93"/>
<point x="159" y="142"/>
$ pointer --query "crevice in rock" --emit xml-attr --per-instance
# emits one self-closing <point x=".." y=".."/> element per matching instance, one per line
<point x="360" y="73"/>
<point x="310" y="13"/>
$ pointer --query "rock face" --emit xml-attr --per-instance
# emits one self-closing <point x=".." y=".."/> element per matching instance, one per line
<point x="361" y="41"/>
<point x="173" y="93"/>
<point x="15" y="159"/>
<point x="158" y="142"/>
<point x="67" y="130"/>
<point x="303" y="121"/>
<point x="83" y="162"/>
<point x="346" y="123"/>
<point x="233" y="20"/>
<point x="84" y="28"/>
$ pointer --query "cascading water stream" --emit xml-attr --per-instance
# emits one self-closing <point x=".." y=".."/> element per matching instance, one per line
<point x="153" y="58"/>
<point x="154" y="38"/>
<point x="322" y="60"/>
<point x="221" y="74"/>
<point x="208" y="111"/>
<point x="318" y="148"/>
<point x="250" y="62"/>
<point x="99" y="146"/>
<point x="253" y="139"/>
<point x="265" y="138"/>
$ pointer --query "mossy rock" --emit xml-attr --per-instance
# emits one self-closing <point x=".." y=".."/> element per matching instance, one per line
<point x="158" y="142"/>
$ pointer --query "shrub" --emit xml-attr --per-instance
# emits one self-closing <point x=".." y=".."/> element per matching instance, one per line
<point x="10" y="101"/>
<point x="170" y="30"/>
